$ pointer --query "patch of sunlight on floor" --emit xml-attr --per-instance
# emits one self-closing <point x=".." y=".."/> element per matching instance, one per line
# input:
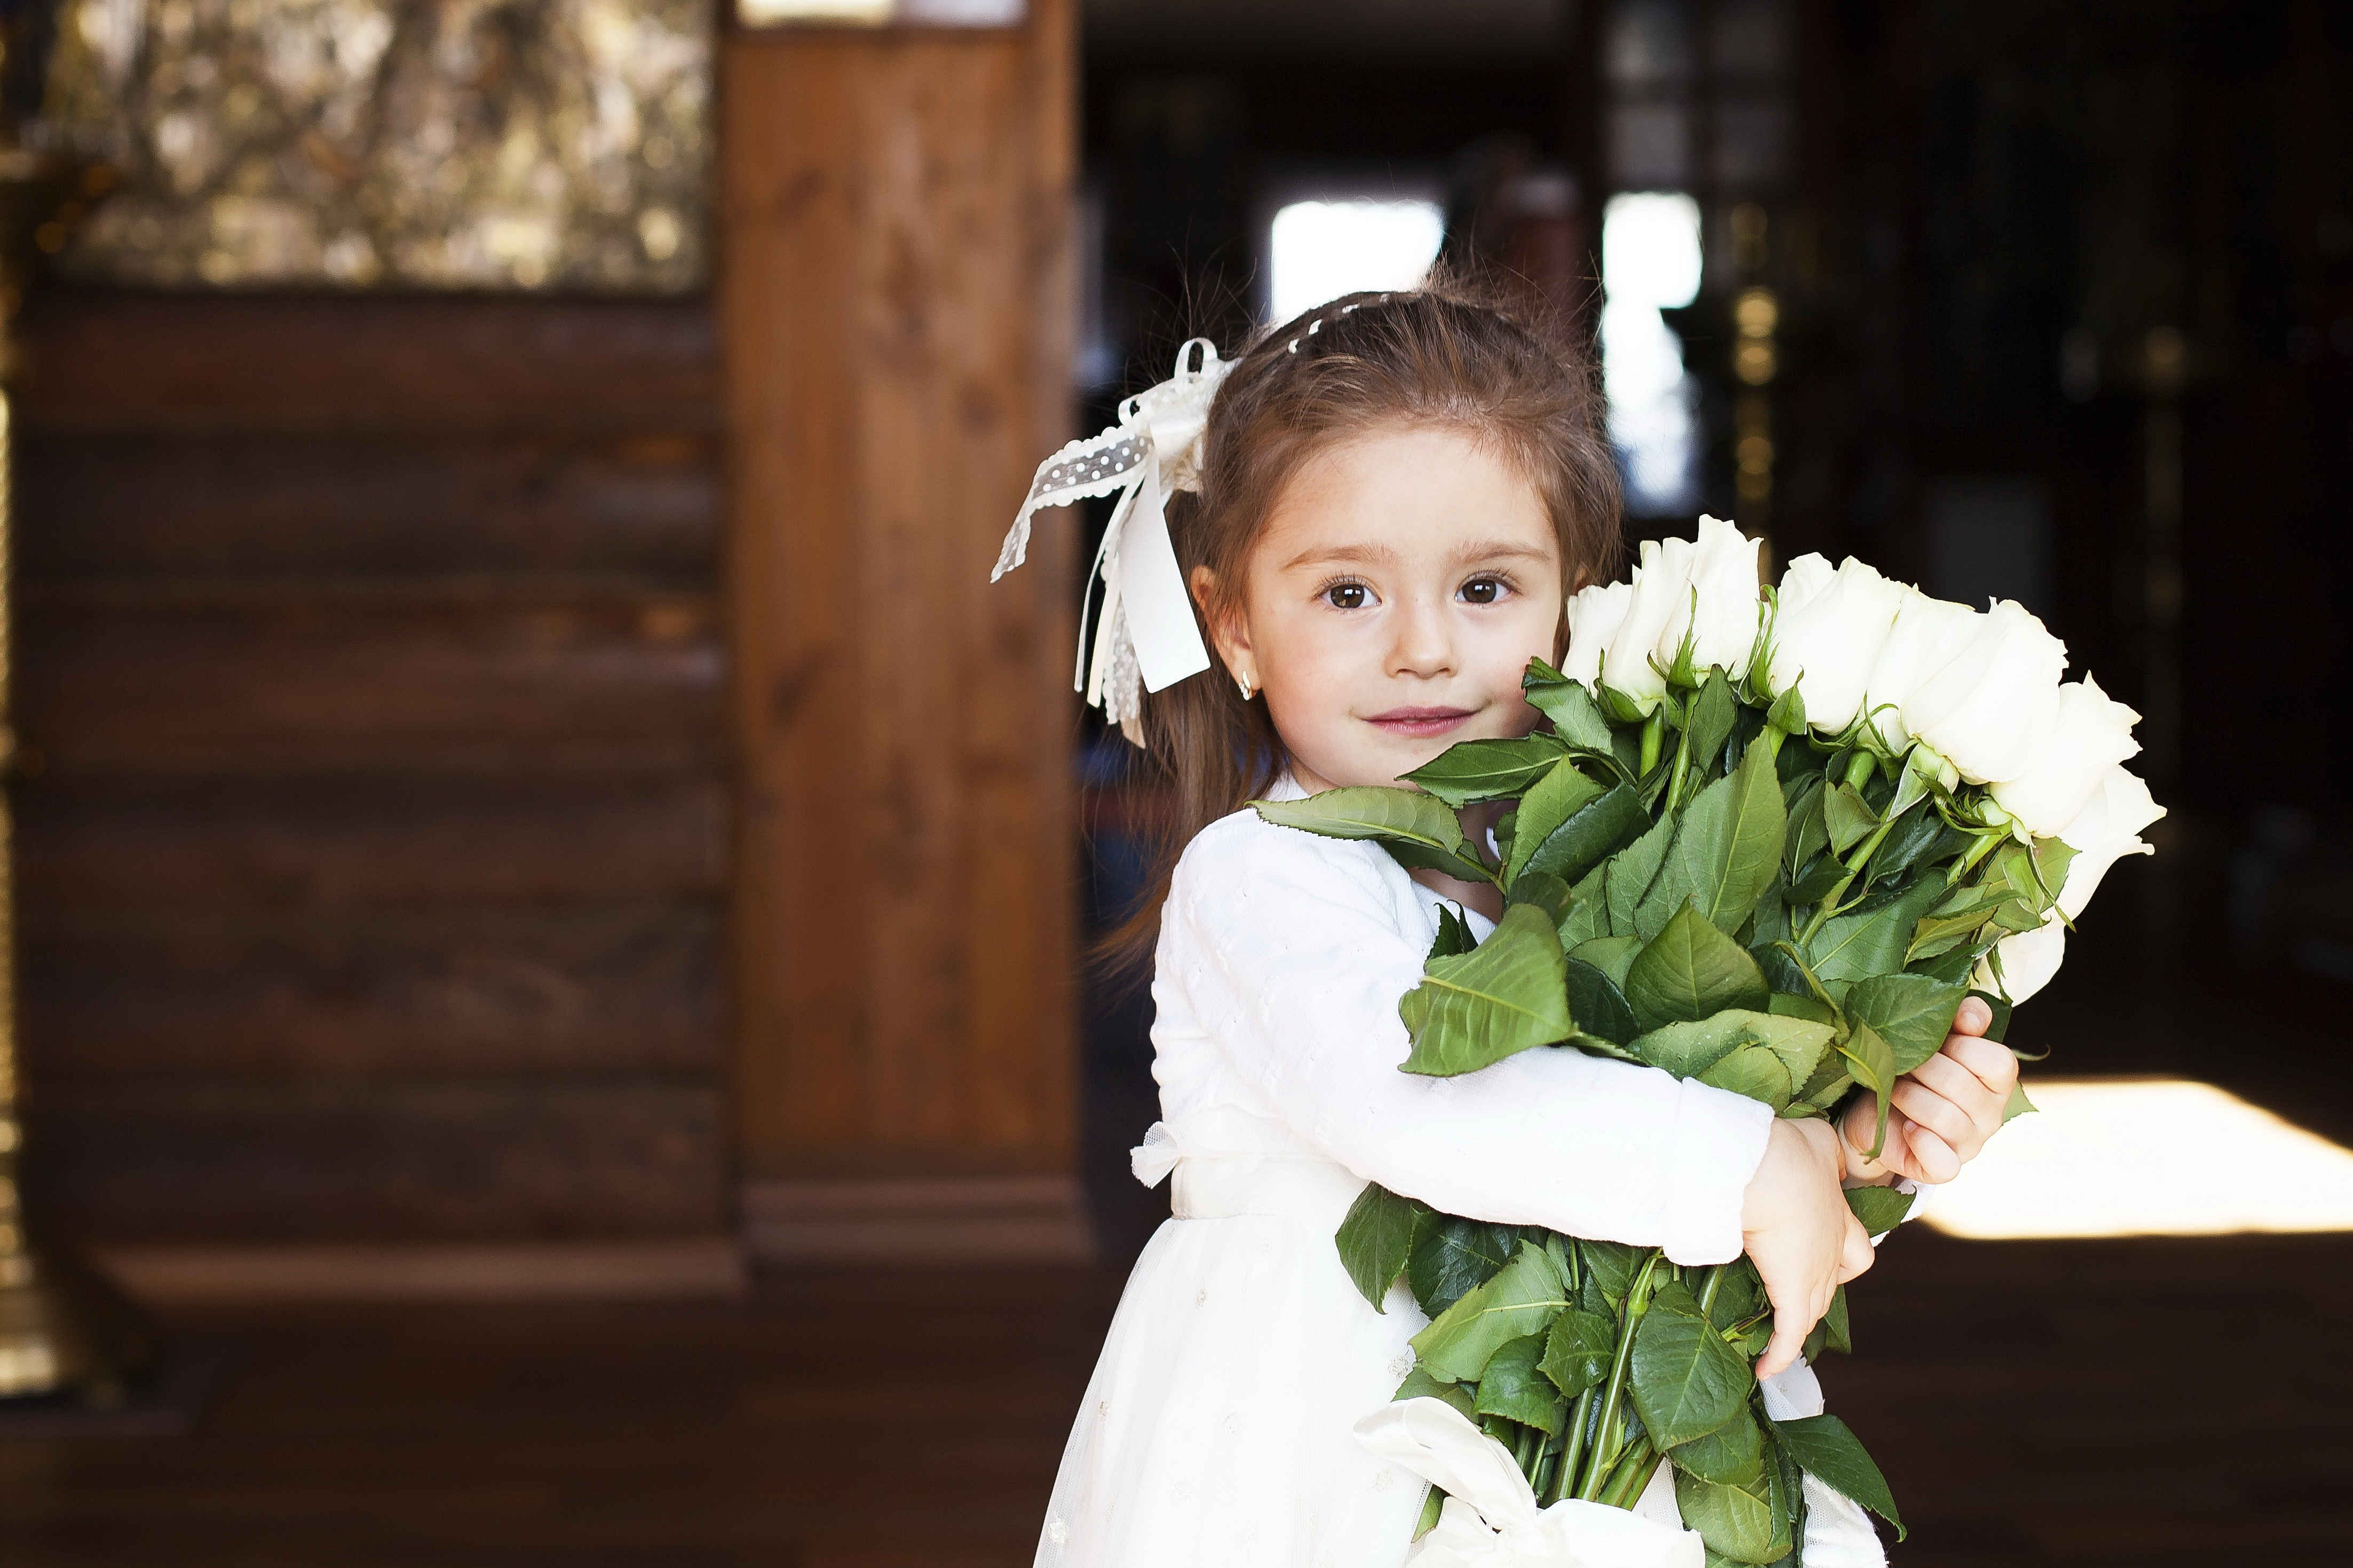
<point x="2153" y="1156"/>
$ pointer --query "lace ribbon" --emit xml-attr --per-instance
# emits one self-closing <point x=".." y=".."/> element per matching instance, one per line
<point x="1146" y="638"/>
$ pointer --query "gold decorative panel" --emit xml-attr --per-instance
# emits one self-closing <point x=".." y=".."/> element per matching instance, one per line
<point x="555" y="144"/>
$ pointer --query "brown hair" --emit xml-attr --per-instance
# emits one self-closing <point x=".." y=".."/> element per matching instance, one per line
<point x="1436" y="356"/>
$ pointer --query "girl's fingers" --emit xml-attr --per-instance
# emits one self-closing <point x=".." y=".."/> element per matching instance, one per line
<point x="1972" y="1018"/>
<point x="1961" y="1086"/>
<point x="1989" y="1061"/>
<point x="1856" y="1254"/>
<point x="1929" y="1158"/>
<point x="1939" y="1115"/>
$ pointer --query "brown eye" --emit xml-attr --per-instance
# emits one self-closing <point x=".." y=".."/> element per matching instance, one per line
<point x="1481" y="591"/>
<point x="1347" y="595"/>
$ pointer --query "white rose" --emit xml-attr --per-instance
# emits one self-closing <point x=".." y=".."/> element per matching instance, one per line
<point x="2106" y="831"/>
<point x="1660" y="584"/>
<point x="1928" y="633"/>
<point x="1990" y="711"/>
<point x="1593" y="618"/>
<point x="2091" y="736"/>
<point x="1721" y="615"/>
<point x="1827" y="635"/>
<point x="2029" y="960"/>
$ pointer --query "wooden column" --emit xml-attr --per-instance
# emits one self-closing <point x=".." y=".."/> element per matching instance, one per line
<point x="895" y="304"/>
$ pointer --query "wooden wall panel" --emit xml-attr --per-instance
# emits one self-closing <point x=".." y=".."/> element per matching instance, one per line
<point x="373" y="681"/>
<point x="896" y="211"/>
<point x="249" y="1159"/>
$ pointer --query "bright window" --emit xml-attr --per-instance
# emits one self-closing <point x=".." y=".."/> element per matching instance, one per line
<point x="1324" y="249"/>
<point x="1650" y="261"/>
<point x="2146" y="1157"/>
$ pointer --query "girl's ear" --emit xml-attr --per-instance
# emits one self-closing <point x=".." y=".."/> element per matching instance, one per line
<point x="1229" y="632"/>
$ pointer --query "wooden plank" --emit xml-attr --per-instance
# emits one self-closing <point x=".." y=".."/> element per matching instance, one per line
<point x="264" y="1160"/>
<point x="437" y="840"/>
<point x="148" y="504"/>
<point x="99" y="360"/>
<point x="902" y="1222"/>
<point x="310" y="674"/>
<point x="558" y="1271"/>
<point x="543" y="992"/>
<point x="897" y="310"/>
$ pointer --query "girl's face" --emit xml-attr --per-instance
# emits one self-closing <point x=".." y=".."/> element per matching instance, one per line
<point x="1402" y="584"/>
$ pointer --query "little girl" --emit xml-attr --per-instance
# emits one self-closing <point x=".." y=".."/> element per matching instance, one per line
<point x="1391" y="500"/>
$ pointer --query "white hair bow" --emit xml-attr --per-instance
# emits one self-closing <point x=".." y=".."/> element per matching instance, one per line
<point x="1145" y="637"/>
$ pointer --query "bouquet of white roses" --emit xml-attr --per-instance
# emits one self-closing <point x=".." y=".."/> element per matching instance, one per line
<point x="1767" y="841"/>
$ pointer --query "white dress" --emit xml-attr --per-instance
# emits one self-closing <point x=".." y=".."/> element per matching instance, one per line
<point x="1216" y="1432"/>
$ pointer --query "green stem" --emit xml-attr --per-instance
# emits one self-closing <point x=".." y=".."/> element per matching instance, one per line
<point x="1605" y="1446"/>
<point x="1707" y="1291"/>
<point x="1628" y="1481"/>
<point x="1525" y="1453"/>
<point x="1682" y="765"/>
<point x="1857" y="858"/>
<point x="1547" y="1466"/>
<point x="1654" y="731"/>
<point x="1859" y="768"/>
<point x="1573" y="1446"/>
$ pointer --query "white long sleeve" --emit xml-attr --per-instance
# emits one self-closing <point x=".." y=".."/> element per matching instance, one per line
<point x="1282" y="956"/>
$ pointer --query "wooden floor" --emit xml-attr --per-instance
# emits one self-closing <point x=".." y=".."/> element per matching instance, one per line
<point x="2087" y="1404"/>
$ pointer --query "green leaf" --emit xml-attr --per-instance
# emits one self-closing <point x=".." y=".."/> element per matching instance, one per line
<point x="1419" y="831"/>
<point x="1873" y="1064"/>
<point x="1736" y="1522"/>
<point x="1752" y="1071"/>
<point x="1597" y="1004"/>
<point x="1912" y="1013"/>
<point x="1513" y="1387"/>
<point x="1873" y="941"/>
<point x="1609" y="1269"/>
<point x="1575" y="718"/>
<point x="2018" y="1106"/>
<point x="1578" y="1350"/>
<point x="1555" y="796"/>
<point x="1613" y="955"/>
<point x="1881" y="1209"/>
<point x="1789" y="1005"/>
<point x="1588" y="910"/>
<point x="1487" y="770"/>
<point x="1835" y="1329"/>
<point x="1453" y="936"/>
<point x="1378" y="1237"/>
<point x="1807" y="835"/>
<point x="1848" y="816"/>
<point x="1631" y="872"/>
<point x="1455" y="1259"/>
<point x="1916" y="834"/>
<point x="1733" y="1455"/>
<point x="1419" y="1385"/>
<point x="1542" y="890"/>
<point x="1594" y="830"/>
<point x="1711" y="722"/>
<point x="1503" y="998"/>
<point x="1686" y="1381"/>
<point x="1831" y="1454"/>
<point x="1688" y="1050"/>
<point x="1728" y="851"/>
<point x="1520" y="1300"/>
<point x="1691" y="971"/>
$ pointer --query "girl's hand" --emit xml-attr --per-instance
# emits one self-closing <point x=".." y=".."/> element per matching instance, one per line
<point x="1945" y="1108"/>
<point x="1798" y="1232"/>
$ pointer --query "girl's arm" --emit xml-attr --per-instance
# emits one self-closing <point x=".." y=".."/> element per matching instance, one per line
<point x="1288" y="952"/>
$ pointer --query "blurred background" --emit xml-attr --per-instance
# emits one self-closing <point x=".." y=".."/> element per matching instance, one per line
<point x="548" y="888"/>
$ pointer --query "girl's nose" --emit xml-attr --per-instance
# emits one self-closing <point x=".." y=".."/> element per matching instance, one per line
<point x="1424" y="642"/>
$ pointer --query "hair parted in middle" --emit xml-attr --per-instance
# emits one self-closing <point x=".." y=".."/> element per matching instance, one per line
<point x="1434" y="357"/>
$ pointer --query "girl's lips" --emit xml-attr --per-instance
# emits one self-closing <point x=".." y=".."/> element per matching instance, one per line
<point x="1420" y="722"/>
